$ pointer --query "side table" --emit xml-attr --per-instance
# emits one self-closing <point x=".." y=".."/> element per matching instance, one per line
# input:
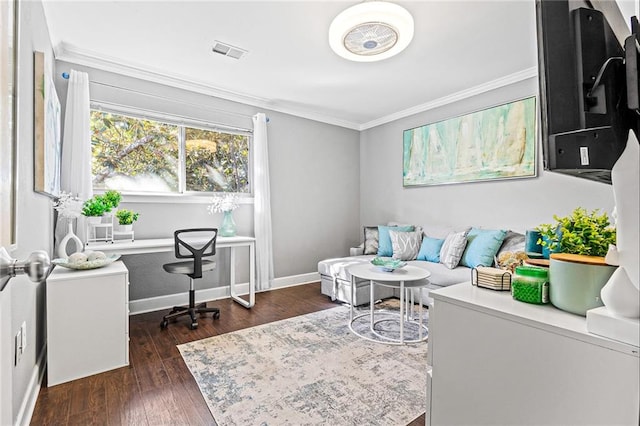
<point x="406" y="278"/>
<point x="87" y="322"/>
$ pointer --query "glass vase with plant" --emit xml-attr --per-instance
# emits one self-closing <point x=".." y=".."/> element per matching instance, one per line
<point x="226" y="204"/>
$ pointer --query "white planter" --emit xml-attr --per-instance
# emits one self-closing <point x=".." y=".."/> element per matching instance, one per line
<point x="575" y="281"/>
<point x="94" y="220"/>
<point x="126" y="228"/>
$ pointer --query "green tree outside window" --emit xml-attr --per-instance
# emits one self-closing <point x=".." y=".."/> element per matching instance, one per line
<point x="134" y="154"/>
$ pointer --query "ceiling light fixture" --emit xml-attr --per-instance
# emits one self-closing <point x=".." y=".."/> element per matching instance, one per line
<point x="371" y="31"/>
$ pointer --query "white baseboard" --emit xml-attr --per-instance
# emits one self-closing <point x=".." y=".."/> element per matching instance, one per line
<point x="293" y="280"/>
<point x="150" y="304"/>
<point x="31" y="396"/>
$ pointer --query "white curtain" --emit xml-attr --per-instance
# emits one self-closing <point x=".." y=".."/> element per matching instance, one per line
<point x="76" y="147"/>
<point x="262" y="204"/>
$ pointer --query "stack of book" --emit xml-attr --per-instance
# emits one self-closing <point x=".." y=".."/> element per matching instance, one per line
<point x="493" y="278"/>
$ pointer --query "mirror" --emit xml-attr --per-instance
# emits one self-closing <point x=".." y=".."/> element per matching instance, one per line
<point x="8" y="125"/>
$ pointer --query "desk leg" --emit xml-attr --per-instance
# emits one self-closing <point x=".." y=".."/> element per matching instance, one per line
<point x="252" y="277"/>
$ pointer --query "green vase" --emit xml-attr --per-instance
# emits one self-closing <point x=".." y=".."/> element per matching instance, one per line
<point x="228" y="226"/>
<point x="575" y="284"/>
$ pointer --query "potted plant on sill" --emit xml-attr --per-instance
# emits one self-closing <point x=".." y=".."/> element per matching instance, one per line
<point x="94" y="208"/>
<point x="126" y="218"/>
<point x="577" y="270"/>
<point x="111" y="199"/>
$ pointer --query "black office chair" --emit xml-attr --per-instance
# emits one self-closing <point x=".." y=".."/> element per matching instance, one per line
<point x="192" y="244"/>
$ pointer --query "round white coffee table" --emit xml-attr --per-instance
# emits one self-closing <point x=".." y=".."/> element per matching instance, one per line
<point x="405" y="279"/>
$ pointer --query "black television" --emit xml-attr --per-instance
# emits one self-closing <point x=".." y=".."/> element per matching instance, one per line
<point x="586" y="84"/>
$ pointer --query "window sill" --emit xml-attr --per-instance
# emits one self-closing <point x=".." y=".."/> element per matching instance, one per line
<point x="178" y="198"/>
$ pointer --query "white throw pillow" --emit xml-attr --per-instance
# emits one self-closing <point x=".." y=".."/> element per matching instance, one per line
<point x="452" y="249"/>
<point x="406" y="245"/>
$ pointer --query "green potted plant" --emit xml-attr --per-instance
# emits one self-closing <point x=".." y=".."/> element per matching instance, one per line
<point x="112" y="199"/>
<point x="94" y="208"/>
<point x="126" y="218"/>
<point x="580" y="233"/>
<point x="577" y="269"/>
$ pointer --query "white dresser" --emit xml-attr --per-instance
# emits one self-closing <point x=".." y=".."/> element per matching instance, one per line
<point x="493" y="360"/>
<point x="87" y="322"/>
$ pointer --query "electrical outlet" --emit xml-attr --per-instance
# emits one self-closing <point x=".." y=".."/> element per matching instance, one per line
<point x="23" y="330"/>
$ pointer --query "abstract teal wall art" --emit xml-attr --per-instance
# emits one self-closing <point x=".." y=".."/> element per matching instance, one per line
<point x="495" y="143"/>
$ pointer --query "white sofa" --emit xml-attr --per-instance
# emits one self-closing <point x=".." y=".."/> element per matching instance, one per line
<point x="336" y="281"/>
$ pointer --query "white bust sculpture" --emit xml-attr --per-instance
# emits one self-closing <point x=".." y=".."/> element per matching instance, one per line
<point x="621" y="295"/>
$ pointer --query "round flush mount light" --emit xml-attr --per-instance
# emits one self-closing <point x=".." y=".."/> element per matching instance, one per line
<point x="371" y="31"/>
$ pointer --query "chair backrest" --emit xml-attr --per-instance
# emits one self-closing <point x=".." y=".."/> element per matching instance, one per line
<point x="195" y="244"/>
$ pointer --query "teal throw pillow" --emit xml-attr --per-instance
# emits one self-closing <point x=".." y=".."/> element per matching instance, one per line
<point x="430" y="249"/>
<point x="482" y="246"/>
<point x="385" y="248"/>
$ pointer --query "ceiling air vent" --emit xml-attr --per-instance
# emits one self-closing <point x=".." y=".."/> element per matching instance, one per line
<point x="228" y="50"/>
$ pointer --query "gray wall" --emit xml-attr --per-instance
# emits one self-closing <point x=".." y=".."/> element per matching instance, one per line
<point x="517" y="204"/>
<point x="314" y="169"/>
<point x="34" y="211"/>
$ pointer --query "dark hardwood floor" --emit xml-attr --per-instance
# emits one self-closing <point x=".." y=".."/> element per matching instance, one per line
<point x="157" y="388"/>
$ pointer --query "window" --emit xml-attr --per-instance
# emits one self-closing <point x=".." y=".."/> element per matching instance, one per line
<point x="133" y="154"/>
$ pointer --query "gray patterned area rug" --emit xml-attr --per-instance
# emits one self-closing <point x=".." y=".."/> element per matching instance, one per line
<point x="308" y="370"/>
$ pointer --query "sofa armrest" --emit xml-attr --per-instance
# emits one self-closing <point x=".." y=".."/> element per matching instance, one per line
<point x="357" y="251"/>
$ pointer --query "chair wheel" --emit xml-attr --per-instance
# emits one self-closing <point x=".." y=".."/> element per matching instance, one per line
<point x="216" y="315"/>
<point x="164" y="324"/>
<point x="193" y="325"/>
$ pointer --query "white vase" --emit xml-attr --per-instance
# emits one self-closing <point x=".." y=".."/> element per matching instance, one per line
<point x="126" y="228"/>
<point x="70" y="237"/>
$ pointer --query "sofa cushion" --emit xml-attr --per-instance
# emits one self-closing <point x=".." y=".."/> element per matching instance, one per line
<point x="384" y="240"/>
<point x="405" y="244"/>
<point x="337" y="267"/>
<point x="452" y="249"/>
<point x="513" y="242"/>
<point x="430" y="249"/>
<point x="443" y="276"/>
<point x="370" y="240"/>
<point x="482" y="246"/>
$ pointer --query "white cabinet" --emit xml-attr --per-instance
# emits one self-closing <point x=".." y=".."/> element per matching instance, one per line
<point x="493" y="360"/>
<point x="87" y="322"/>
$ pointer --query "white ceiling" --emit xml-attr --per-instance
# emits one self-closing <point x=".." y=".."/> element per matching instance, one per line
<point x="459" y="48"/>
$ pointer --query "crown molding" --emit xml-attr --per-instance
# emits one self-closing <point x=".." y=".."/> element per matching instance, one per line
<point x="455" y="97"/>
<point x="69" y="53"/>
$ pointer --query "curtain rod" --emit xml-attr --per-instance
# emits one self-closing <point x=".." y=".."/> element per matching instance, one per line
<point x="65" y="75"/>
<point x="165" y="117"/>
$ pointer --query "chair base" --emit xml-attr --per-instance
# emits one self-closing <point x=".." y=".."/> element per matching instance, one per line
<point x="192" y="310"/>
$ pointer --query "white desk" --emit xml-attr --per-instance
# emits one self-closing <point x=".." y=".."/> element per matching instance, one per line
<point x="159" y="245"/>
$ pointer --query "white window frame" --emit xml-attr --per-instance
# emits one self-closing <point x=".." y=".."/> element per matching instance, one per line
<point x="182" y="196"/>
